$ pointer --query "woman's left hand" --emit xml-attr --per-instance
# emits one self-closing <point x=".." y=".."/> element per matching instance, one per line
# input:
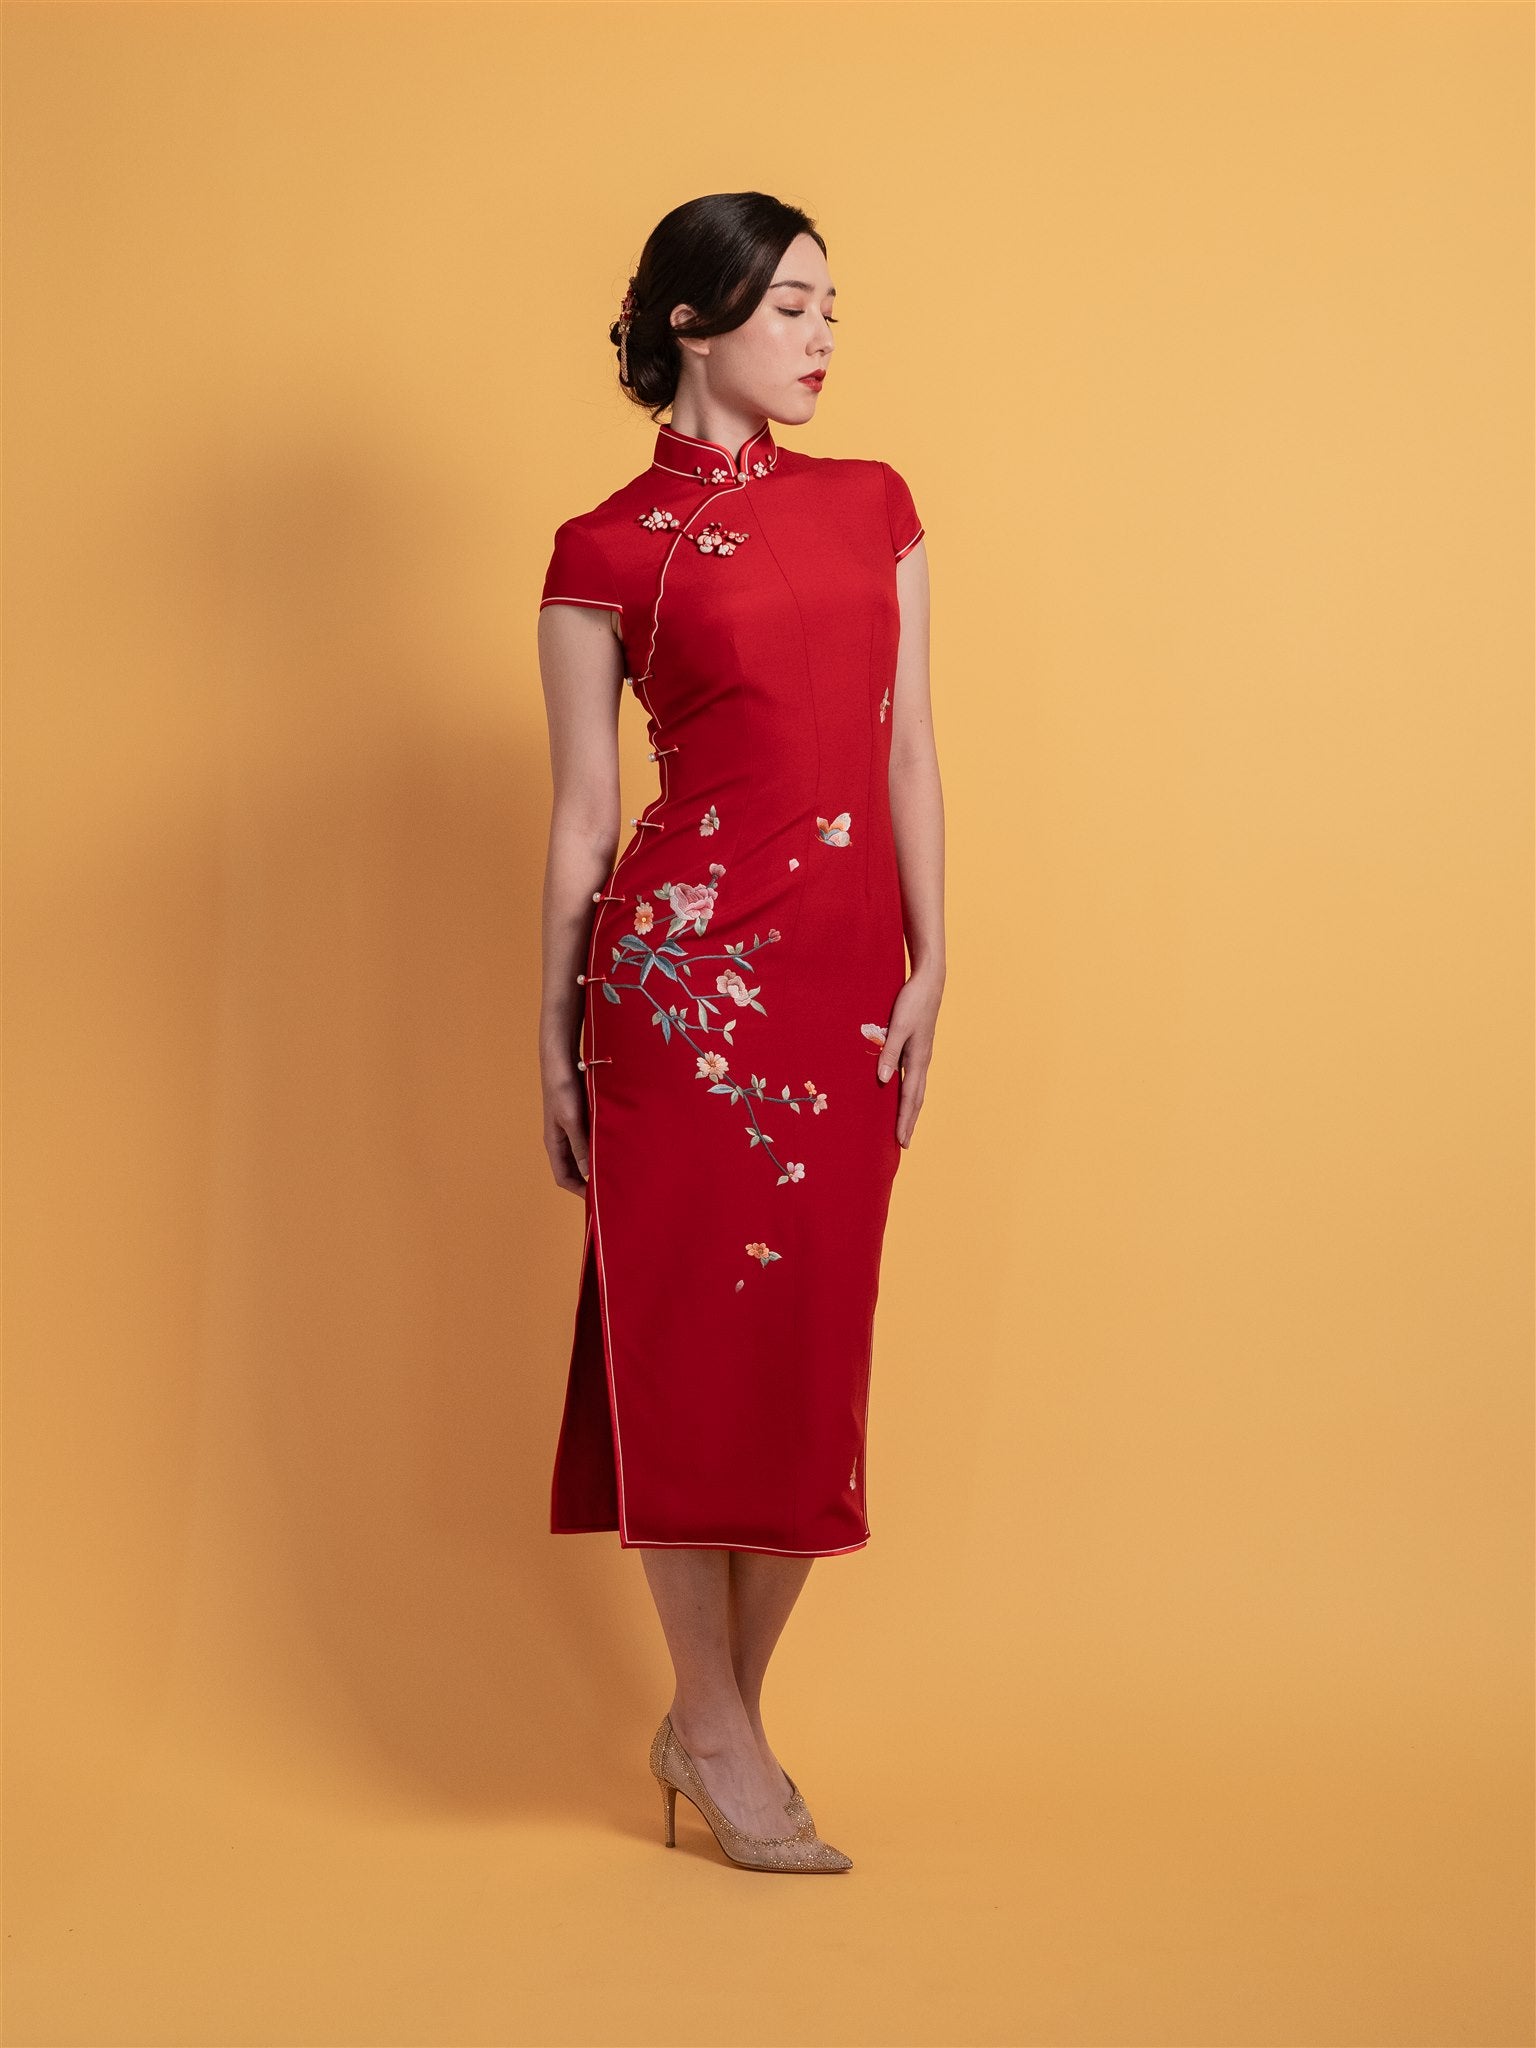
<point x="909" y="1044"/>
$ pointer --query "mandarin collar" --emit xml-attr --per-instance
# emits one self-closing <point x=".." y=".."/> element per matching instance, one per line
<point x="711" y="462"/>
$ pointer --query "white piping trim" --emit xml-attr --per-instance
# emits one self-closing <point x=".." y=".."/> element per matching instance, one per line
<point x="911" y="544"/>
<point x="711" y="1543"/>
<point x="600" y="604"/>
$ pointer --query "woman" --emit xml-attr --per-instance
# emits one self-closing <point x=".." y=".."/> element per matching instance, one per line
<point x="718" y="1035"/>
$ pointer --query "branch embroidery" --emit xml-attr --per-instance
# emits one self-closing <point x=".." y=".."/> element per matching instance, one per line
<point x="694" y="903"/>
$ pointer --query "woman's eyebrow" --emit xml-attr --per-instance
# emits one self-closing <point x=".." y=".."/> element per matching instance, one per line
<point x="799" y="284"/>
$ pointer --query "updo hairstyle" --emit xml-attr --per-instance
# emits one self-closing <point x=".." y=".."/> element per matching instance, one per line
<point x="716" y="254"/>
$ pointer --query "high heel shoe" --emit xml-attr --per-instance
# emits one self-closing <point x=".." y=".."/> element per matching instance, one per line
<point x="675" y="1771"/>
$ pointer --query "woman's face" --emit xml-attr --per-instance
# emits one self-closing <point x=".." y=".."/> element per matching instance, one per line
<point x="762" y="366"/>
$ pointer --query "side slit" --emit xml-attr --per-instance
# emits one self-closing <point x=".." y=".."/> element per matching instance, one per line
<point x="585" y="1494"/>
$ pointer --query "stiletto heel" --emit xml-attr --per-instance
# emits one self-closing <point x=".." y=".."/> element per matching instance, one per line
<point x="675" y="1771"/>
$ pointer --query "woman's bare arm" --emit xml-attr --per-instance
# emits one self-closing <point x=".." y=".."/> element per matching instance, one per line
<point x="917" y="820"/>
<point x="581" y="663"/>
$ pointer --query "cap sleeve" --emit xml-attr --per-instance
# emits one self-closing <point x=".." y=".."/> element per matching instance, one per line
<point x="906" y="527"/>
<point x="578" y="571"/>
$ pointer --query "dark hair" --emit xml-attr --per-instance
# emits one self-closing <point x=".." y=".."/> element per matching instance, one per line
<point x="716" y="254"/>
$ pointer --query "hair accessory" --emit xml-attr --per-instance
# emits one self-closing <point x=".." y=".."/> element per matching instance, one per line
<point x="626" y="316"/>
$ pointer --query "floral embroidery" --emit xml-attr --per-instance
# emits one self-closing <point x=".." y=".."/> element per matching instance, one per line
<point x="698" y="1016"/>
<point x="874" y="1031"/>
<point x="645" y="917"/>
<point x="710" y="822"/>
<point x="731" y="984"/>
<point x="762" y="1254"/>
<point x="794" y="863"/>
<point x="835" y="833"/>
<point x="759" y="469"/>
<point x="713" y="539"/>
<point x="716" y="539"/>
<point x="885" y="702"/>
<point x="692" y="902"/>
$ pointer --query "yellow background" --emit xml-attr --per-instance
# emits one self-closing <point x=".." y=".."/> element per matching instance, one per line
<point x="1183" y="1693"/>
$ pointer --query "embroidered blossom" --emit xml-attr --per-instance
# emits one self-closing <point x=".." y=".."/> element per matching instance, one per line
<point x="657" y="519"/>
<point x="874" y="1031"/>
<point x="818" y="1101"/>
<point x="692" y="903"/>
<point x="762" y="1254"/>
<point x="710" y="821"/>
<point x="645" y="917"/>
<point x="885" y="702"/>
<point x="711" y="1065"/>
<point x="731" y="984"/>
<point x="716" y="539"/>
<point x="835" y="833"/>
<point x="794" y="1169"/>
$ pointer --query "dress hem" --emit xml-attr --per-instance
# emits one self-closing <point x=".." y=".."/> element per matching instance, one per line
<point x="701" y="1543"/>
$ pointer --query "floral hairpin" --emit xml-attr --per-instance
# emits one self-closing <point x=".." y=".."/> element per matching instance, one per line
<point x="626" y="318"/>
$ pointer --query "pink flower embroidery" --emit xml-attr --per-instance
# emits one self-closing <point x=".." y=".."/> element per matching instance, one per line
<point x="645" y="917"/>
<point x="692" y="903"/>
<point x="835" y="833"/>
<point x="716" y="539"/>
<point x="711" y="1065"/>
<point x="710" y="821"/>
<point x="657" y="519"/>
<point x="874" y="1031"/>
<point x="762" y="1254"/>
<point x="731" y="984"/>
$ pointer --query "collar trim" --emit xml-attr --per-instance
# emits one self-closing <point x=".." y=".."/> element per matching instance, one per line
<point x="711" y="462"/>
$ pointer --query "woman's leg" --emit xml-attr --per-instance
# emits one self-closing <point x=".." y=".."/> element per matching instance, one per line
<point x="692" y="1592"/>
<point x="763" y="1590"/>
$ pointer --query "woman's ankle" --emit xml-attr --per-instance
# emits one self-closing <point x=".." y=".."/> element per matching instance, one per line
<point x="710" y="1727"/>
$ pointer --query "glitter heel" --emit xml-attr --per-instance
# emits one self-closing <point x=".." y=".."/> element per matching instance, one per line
<point x="675" y="1771"/>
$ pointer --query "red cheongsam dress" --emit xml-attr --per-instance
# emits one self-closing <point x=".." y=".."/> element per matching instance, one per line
<point x="745" y="954"/>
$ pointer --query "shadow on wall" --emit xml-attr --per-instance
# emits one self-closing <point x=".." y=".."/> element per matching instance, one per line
<point x="337" y="958"/>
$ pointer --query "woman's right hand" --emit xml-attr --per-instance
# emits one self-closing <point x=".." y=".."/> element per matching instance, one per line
<point x="565" y="1129"/>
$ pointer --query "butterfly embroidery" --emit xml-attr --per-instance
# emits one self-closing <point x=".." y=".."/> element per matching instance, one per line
<point x="835" y="833"/>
